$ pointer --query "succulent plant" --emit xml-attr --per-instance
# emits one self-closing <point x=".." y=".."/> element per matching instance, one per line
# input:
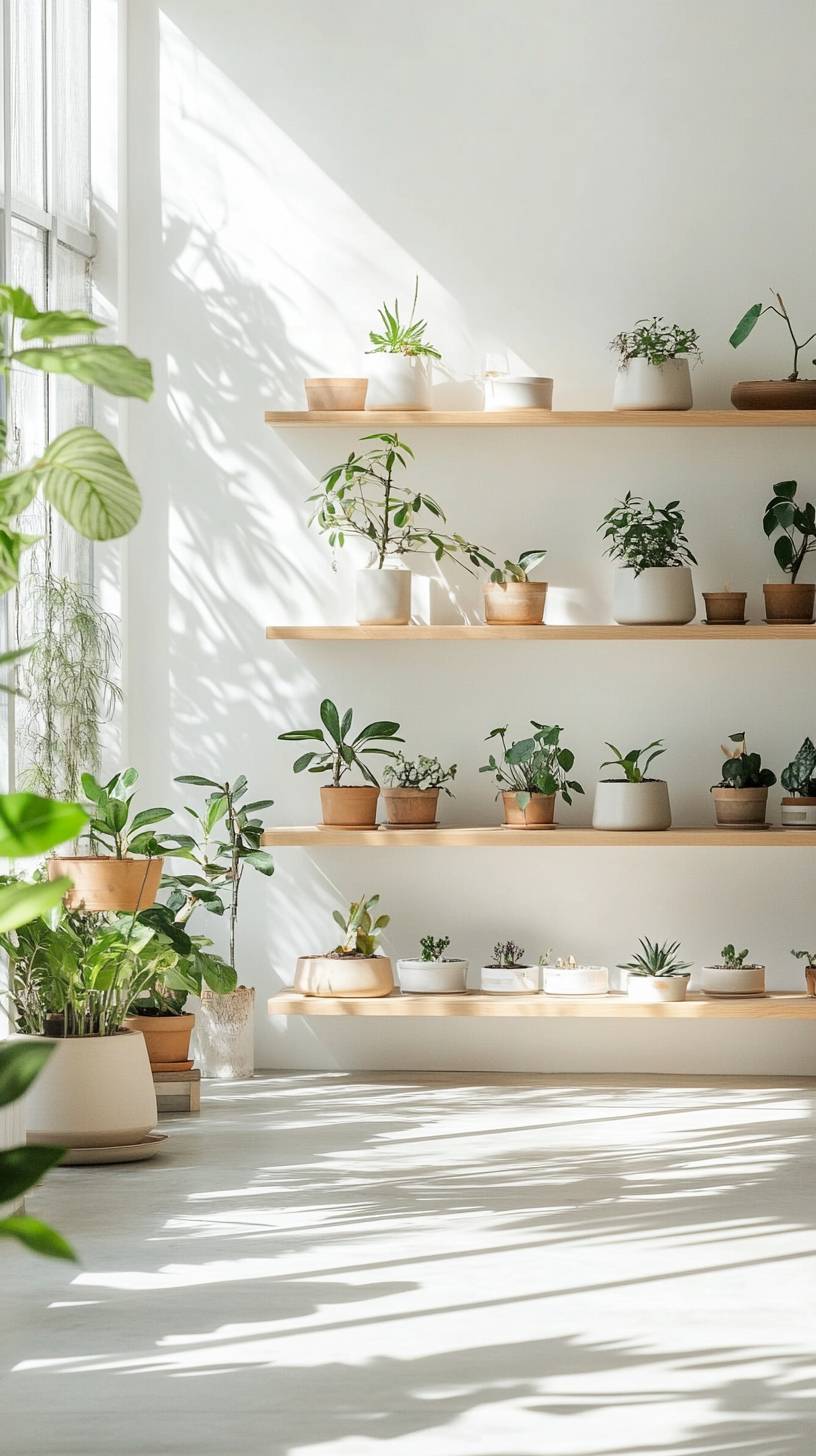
<point x="732" y="959"/>
<point x="656" y="960"/>
<point x="800" y="775"/>
<point x="361" y="931"/>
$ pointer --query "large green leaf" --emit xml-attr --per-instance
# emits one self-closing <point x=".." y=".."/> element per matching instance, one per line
<point x="109" y="366"/>
<point x="12" y="545"/>
<point x="16" y="301"/>
<point x="58" y="324"/>
<point x="745" y="325"/>
<point x="17" y="491"/>
<point x="260" y="860"/>
<point x="21" y="903"/>
<point x="21" y="1168"/>
<point x="85" y="478"/>
<point x="36" y="1236"/>
<point x="30" y="824"/>
<point x="20" y="1061"/>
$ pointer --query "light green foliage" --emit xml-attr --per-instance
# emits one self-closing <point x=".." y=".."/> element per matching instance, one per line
<point x="340" y="752"/>
<point x="796" y="525"/>
<point x="743" y="770"/>
<point x="111" y="825"/>
<point x="657" y="341"/>
<point x="361" y="928"/>
<point x="632" y="770"/>
<point x="432" y="949"/>
<point x="656" y="960"/>
<point x="418" y="773"/>
<point x="535" y="765"/>
<point x="642" y="535"/>
<point x="395" y="337"/>
<point x="752" y="317"/>
<point x="518" y="570"/>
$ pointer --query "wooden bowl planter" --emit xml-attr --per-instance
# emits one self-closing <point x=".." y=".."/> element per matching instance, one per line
<point x="336" y="394"/>
<point x="518" y="603"/>
<point x="740" y="806"/>
<point x="576" y="980"/>
<point x="636" y="808"/>
<point x="350" y="807"/>
<point x="799" y="812"/>
<point x="103" y="883"/>
<point x="658" y="596"/>
<point x="167" y="1038"/>
<point x="538" y="813"/>
<point x="774" y="394"/>
<point x="93" y="1092"/>
<point x="656" y="989"/>
<point x="429" y="978"/>
<point x="326" y="975"/>
<point x="410" y="808"/>
<point x="789" y="601"/>
<point x="732" y="981"/>
<point x="725" y="606"/>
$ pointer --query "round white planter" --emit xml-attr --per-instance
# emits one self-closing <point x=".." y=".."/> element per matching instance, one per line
<point x="93" y="1092"/>
<point x="799" y="813"/>
<point x="720" y="981"/>
<point x="636" y="807"/>
<point x="382" y="597"/>
<point x="648" y="989"/>
<point x="515" y="981"/>
<point x="576" y="980"/>
<point x="659" y="596"/>
<point x="640" y="385"/>
<point x="518" y="391"/>
<point x="397" y="381"/>
<point x="427" y="978"/>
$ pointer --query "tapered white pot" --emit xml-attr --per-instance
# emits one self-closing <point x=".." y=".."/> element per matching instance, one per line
<point x="510" y="980"/>
<point x="576" y="980"/>
<point x="427" y="978"/>
<point x="640" y="385"/>
<point x="648" y="989"/>
<point x="397" y="381"/>
<point x="94" y="1091"/>
<point x="225" y="1034"/>
<point x="382" y="596"/>
<point x="628" y="807"/>
<point x="739" y="981"/>
<point x="659" y="596"/>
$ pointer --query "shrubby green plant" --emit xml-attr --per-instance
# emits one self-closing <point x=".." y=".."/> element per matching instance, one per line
<point x="732" y="959"/>
<point x="743" y="770"/>
<point x="340" y="753"/>
<point x="361" y="928"/>
<point x="642" y="535"/>
<point x="418" y="773"/>
<point x="534" y="765"/>
<point x="655" y="340"/>
<point x="432" y="949"/>
<point x="656" y="960"/>
<point x="752" y="317"/>
<point x="799" y="778"/>
<point x="395" y="337"/>
<point x="805" y="955"/>
<point x="518" y="570"/>
<point x="629" y="763"/>
<point x="797" y="525"/>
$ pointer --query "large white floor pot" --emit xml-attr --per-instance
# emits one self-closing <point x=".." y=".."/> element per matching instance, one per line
<point x="650" y="989"/>
<point x="739" y="981"/>
<point x="93" y="1092"/>
<point x="640" y="385"/>
<point x="623" y="806"/>
<point x="660" y="596"/>
<point x="397" y="381"/>
<point x="576" y="980"/>
<point x="428" y="978"/>
<point x="382" y="596"/>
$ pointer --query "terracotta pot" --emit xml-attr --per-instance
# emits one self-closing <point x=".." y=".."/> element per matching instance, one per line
<point x="539" y="813"/>
<point x="94" y="1091"/>
<point x="732" y="981"/>
<point x="725" y="606"/>
<point x="354" y="807"/>
<point x="104" y="883"/>
<point x="799" y="812"/>
<point x="225" y="1034"/>
<point x="518" y="602"/>
<point x="344" y="976"/>
<point x="789" y="601"/>
<point x="336" y="394"/>
<point x="410" y="807"/>
<point x="774" y="394"/>
<point x="740" y="806"/>
<point x="167" y="1039"/>
<point x="650" y="989"/>
<point x="810" y="980"/>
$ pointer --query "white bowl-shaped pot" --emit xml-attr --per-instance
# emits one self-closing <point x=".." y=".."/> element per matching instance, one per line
<point x="518" y="391"/>
<point x="576" y="980"/>
<point x="94" y="1091"/>
<point x="344" y="976"/>
<point x="636" y="807"/>
<point x="382" y="597"/>
<point x="397" y="381"/>
<point x="510" y="980"/>
<point x="657" y="988"/>
<point x="427" y="978"/>
<point x="799" y="813"/>
<point x="722" y="981"/>
<point x="640" y="385"/>
<point x="661" y="596"/>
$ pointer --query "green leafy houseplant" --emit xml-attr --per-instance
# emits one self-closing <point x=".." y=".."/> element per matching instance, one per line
<point x="631" y="769"/>
<point x="21" y="1168"/>
<point x="418" y="773"/>
<point x="642" y="535"/>
<point x="752" y="316"/>
<point x="518" y="571"/>
<point x="656" y="960"/>
<point x="361" y="929"/>
<point x="535" y="765"/>
<point x="796" y="525"/>
<point x="656" y="341"/>
<point x="733" y="960"/>
<point x="111" y="826"/>
<point x="799" y="778"/>
<point x="193" y="967"/>
<point x="339" y="753"/>
<point x="743" y="770"/>
<point x="396" y="337"/>
<point x="432" y="948"/>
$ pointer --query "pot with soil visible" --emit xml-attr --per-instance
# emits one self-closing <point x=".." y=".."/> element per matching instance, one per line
<point x="733" y="976"/>
<point x="352" y="968"/>
<point x="741" y="797"/>
<point x="530" y="773"/>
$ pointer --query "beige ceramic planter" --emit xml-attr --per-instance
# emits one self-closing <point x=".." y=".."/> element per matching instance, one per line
<point x="410" y="808"/>
<point x="104" y="883"/>
<point x="93" y="1092"/>
<point x="636" y="808"/>
<point x="740" y="806"/>
<point x="354" y="807"/>
<point x="344" y="976"/>
<point x="167" y="1039"/>
<point x="725" y="606"/>
<point x="539" y="813"/>
<point x="789" y="601"/>
<point x="518" y="603"/>
<point x="774" y="394"/>
<point x="725" y="981"/>
<point x="336" y="394"/>
<point x="648" y="990"/>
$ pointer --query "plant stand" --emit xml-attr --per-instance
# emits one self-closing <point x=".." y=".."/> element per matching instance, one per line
<point x="178" y="1091"/>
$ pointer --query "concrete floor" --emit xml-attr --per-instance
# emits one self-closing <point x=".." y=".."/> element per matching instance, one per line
<point x="418" y="1266"/>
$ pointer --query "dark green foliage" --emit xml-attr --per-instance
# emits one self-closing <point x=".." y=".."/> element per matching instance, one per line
<point x="656" y="960"/>
<point x="433" y="950"/>
<point x="799" y="778"/>
<point x="641" y="534"/>
<point x="752" y="317"/>
<point x="339" y="752"/>
<point x="629" y="762"/>
<point x="743" y="770"/>
<point x="797" y="525"/>
<point x="732" y="959"/>
<point x="534" y="765"/>
<point x="507" y="955"/>
<point x="657" y="341"/>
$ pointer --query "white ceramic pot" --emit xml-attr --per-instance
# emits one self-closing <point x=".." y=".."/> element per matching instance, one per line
<point x="433" y="977"/>
<point x="660" y="596"/>
<point x="344" y="976"/>
<point x="722" y="981"/>
<point x="518" y="391"/>
<point x="799" y="813"/>
<point x="94" y="1091"/>
<point x="382" y="597"/>
<point x="515" y="980"/>
<point x="649" y="989"/>
<point x="636" y="807"/>
<point x="576" y="980"/>
<point x="640" y="385"/>
<point x="225" y="1034"/>
<point x="397" y="381"/>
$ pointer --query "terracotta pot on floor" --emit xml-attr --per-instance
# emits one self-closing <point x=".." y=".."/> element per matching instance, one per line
<point x="102" y="882"/>
<point x="774" y="394"/>
<point x="354" y="807"/>
<point x="518" y="603"/>
<point x="725" y="606"/>
<point x="789" y="601"/>
<point x="538" y="814"/>
<point x="410" y="808"/>
<point x="740" y="806"/>
<point x="167" y="1039"/>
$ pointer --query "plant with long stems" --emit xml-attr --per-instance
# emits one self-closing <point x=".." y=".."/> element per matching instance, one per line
<point x="743" y="770"/>
<point x="656" y="341"/>
<point x="361" y="498"/>
<point x="538" y="764"/>
<point x="340" y="752"/>
<point x="396" y="337"/>
<point x="656" y="960"/>
<point x="518" y="571"/>
<point x="629" y="763"/>
<point x="642" y="535"/>
<point x="752" y="316"/>
<point x="797" y="525"/>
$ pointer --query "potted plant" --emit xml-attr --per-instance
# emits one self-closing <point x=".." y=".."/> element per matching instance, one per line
<point x="799" y="778"/>
<point x="632" y="801"/>
<point x="653" y="371"/>
<point x="769" y="394"/>
<point x="158" y="1011"/>
<point x="569" y="977"/>
<point x="511" y="597"/>
<point x="127" y="876"/>
<point x="335" y="394"/>
<point x="411" y="789"/>
<point x="508" y="973"/>
<point x="791" y="601"/>
<point x="653" y="583"/>
<point x="741" y="796"/>
<point x="360" y="499"/>
<point x="725" y="606"/>
<point x="809" y="956"/>
<point x="352" y="806"/>
<point x="399" y="370"/>
<point x="433" y="972"/>
<point x="655" y="973"/>
<point x="530" y="773"/>
<point x="354" y="967"/>
<point x="733" y="975"/>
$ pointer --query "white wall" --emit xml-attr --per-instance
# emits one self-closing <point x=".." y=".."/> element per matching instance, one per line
<point x="554" y="171"/>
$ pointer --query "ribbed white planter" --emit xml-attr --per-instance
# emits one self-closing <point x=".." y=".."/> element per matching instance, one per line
<point x="518" y="391"/>
<point x="513" y="981"/>
<point x="640" y="385"/>
<point x="397" y="381"/>
<point x="648" y="989"/>
<point x="94" y="1091"/>
<point x="225" y="1034"/>
<point x="576" y="980"/>
<point x="382" y="596"/>
<point x="660" y="596"/>
<point x="722" y="981"/>
<point x="631" y="807"/>
<point x="428" y="978"/>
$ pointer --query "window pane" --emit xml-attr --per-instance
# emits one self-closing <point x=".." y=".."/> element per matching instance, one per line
<point x="27" y="101"/>
<point x="27" y="395"/>
<point x="69" y="287"/>
<point x="71" y="183"/>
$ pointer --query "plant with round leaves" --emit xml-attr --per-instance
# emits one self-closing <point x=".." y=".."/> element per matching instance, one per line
<point x="656" y="960"/>
<point x="799" y="778"/>
<point x="743" y="770"/>
<point x="538" y="764"/>
<point x="21" y="1168"/>
<point x="340" y="753"/>
<point x="752" y="316"/>
<point x="642" y="535"/>
<point x="395" y="337"/>
<point x="518" y="570"/>
<point x="656" y="341"/>
<point x="633" y="772"/>
<point x="796" y="525"/>
<point x="361" y="928"/>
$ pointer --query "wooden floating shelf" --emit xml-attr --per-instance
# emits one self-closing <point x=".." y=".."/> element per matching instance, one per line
<point x="316" y="836"/>
<point x="778" y="1005"/>
<point x="601" y="632"/>
<point x="701" y="419"/>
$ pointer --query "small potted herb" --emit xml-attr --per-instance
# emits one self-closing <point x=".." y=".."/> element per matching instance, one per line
<point x="725" y="606"/>
<point x="790" y="393"/>
<point x="733" y="975"/>
<point x="569" y="977"/>
<point x="632" y="801"/>
<point x="655" y="973"/>
<point x="354" y="967"/>
<point x="511" y="597"/>
<point x="653" y="582"/>
<point x="795" y="529"/>
<point x="508" y="973"/>
<point x="399" y="361"/>
<point x="530" y="773"/>
<point x="799" y="778"/>
<point x="411" y="789"/>
<point x="127" y="875"/>
<point x="353" y="806"/>
<point x="653" y="370"/>
<point x="809" y="957"/>
<point x="741" y="796"/>
<point x="433" y="972"/>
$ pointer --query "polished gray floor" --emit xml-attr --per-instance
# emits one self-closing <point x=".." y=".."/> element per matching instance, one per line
<point x="410" y="1266"/>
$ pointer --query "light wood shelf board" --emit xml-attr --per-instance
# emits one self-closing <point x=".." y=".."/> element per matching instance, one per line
<point x="730" y="419"/>
<point x="601" y="632"/>
<point x="778" y="1005"/>
<point x="313" y="836"/>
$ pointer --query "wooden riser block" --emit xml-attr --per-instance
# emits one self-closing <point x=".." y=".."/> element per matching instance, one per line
<point x="178" y="1091"/>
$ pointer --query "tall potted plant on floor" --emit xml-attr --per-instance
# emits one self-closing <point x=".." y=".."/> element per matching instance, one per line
<point x="159" y="1011"/>
<point x="653" y="582"/>
<point x="399" y="360"/>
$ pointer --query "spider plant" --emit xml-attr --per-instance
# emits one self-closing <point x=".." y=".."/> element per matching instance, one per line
<point x="396" y="337"/>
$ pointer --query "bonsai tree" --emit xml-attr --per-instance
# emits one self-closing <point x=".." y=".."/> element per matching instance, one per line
<point x="642" y="535"/>
<point x="655" y="340"/>
<point x="432" y="949"/>
<point x="361" y="928"/>
<point x="418" y="773"/>
<point x="796" y="525"/>
<point x="396" y="337"/>
<point x="340" y="753"/>
<point x="535" y="765"/>
<point x="655" y="960"/>
<point x="518" y="570"/>
<point x="629" y="763"/>
<point x="799" y="778"/>
<point x="743" y="770"/>
<point x="754" y="314"/>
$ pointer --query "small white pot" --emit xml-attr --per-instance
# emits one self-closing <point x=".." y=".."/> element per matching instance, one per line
<point x="518" y="391"/>
<point x="720" y="981"/>
<point x="382" y="597"/>
<point x="94" y="1091"/>
<point x="398" y="381"/>
<point x="515" y="981"/>
<point x="648" y="989"/>
<point x="799" y="813"/>
<point x="427" y="978"/>
<point x="576" y="980"/>
<point x="636" y="807"/>
<point x="659" y="596"/>
<point x="640" y="385"/>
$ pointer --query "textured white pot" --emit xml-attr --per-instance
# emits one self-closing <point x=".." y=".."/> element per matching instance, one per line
<point x="720" y="981"/>
<point x="94" y="1091"/>
<point x="576" y="980"/>
<point x="640" y="385"/>
<point x="432" y="977"/>
<point x="382" y="597"/>
<point x="518" y="980"/>
<point x="660" y="595"/>
<point x="518" y="391"/>
<point x="397" y="381"/>
<point x="799" y="813"/>
<point x="657" y="988"/>
<point x="225" y="1034"/>
<point x="636" y="807"/>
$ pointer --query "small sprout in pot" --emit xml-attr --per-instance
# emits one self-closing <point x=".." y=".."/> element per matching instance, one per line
<point x="655" y="340"/>
<point x="432" y="949"/>
<point x="361" y="930"/>
<point x="656" y="960"/>
<point x="743" y="770"/>
<point x="641" y="535"/>
<point x="632" y="772"/>
<point x="518" y="571"/>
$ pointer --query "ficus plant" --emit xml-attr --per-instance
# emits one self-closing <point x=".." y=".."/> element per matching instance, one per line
<point x="799" y="778"/>
<point x="629" y="763"/>
<point x="111" y="826"/>
<point x="743" y="770"/>
<point x="339" y="752"/>
<point x="361" y="927"/>
<point x="538" y="764"/>
<point x="752" y="316"/>
<point x="396" y="337"/>
<point x="642" y="535"/>
<point x="655" y="340"/>
<point x="656" y="960"/>
<point x="796" y="526"/>
<point x="518" y="570"/>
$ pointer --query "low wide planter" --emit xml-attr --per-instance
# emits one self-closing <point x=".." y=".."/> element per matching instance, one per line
<point x="510" y="980"/>
<point x="344" y="976"/>
<point x="725" y="606"/>
<point x="433" y="978"/>
<point x="660" y="596"/>
<point x="398" y="381"/>
<point x="352" y="807"/>
<point x="410" y="808"/>
<point x="623" y="807"/>
<point x="576" y="980"/>
<point x="167" y="1038"/>
<point x="336" y="394"/>
<point x="740" y="806"/>
<point x="93" y="1092"/>
<point x="102" y="882"/>
<point x="518" y="391"/>
<point x="515" y="603"/>
<point x="799" y="812"/>
<point x="382" y="596"/>
<point x="789" y="601"/>
<point x="727" y="981"/>
<point x="774" y="394"/>
<point x="539" y="812"/>
<point x="650" y="989"/>
<point x="640" y="385"/>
